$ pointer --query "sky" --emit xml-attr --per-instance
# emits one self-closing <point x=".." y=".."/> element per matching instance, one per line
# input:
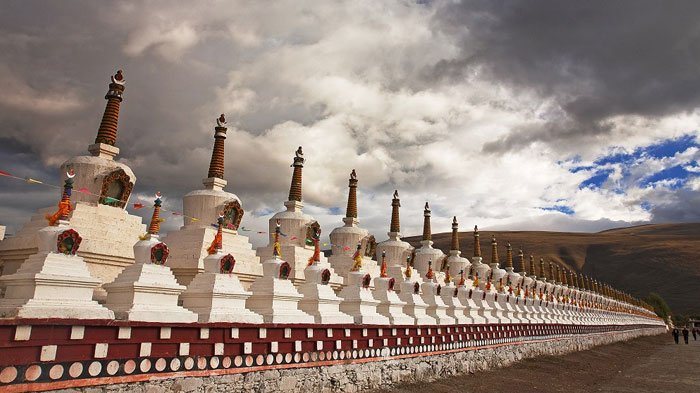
<point x="520" y="115"/>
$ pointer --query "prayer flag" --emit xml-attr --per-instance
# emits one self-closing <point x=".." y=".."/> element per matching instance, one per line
<point x="3" y="173"/>
<point x="84" y="190"/>
<point x="30" y="180"/>
<point x="138" y="205"/>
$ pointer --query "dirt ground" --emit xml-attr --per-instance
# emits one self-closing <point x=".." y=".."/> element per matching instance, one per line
<point x="649" y="364"/>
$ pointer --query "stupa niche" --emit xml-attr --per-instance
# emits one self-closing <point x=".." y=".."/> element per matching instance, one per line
<point x="298" y="228"/>
<point x="103" y="188"/>
<point x="201" y="209"/>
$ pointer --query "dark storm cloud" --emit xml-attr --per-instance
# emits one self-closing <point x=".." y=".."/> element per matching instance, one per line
<point x="595" y="59"/>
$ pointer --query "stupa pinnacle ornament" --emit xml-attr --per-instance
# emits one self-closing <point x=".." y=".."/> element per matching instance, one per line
<point x="351" y="211"/>
<point x="455" y="235"/>
<point x="316" y="239"/>
<point x="276" y="252"/>
<point x="509" y="257"/>
<point x="295" y="193"/>
<point x="382" y="268"/>
<point x="477" y="244"/>
<point x="395" y="225"/>
<point x="64" y="205"/>
<point x="429" y="274"/>
<point x="216" y="166"/>
<point x="494" y="251"/>
<point x="107" y="133"/>
<point x="521" y="260"/>
<point x="357" y="258"/>
<point x="427" y="233"/>
<point x="154" y="227"/>
<point x="532" y="266"/>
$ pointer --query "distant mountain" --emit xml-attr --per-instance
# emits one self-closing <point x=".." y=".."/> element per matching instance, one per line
<point x="662" y="258"/>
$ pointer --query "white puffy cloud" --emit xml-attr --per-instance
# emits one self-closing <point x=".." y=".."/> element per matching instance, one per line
<point x="354" y="83"/>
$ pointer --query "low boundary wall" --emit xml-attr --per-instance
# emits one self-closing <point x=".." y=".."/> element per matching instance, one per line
<point x="40" y="355"/>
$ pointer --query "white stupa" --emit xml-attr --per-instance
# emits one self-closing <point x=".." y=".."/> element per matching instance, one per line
<point x="430" y="292"/>
<point x="319" y="300"/>
<point x="274" y="296"/>
<point x="510" y="284"/>
<point x="147" y="290"/>
<point x="344" y="239"/>
<point x="389" y="303"/>
<point x="54" y="282"/>
<point x="411" y="295"/>
<point x="102" y="188"/>
<point x="485" y="294"/>
<point x="216" y="295"/>
<point x="450" y="296"/>
<point x="298" y="228"/>
<point x="191" y="244"/>
<point x="466" y="293"/>
<point x="426" y="253"/>
<point x="358" y="300"/>
<point x="395" y="249"/>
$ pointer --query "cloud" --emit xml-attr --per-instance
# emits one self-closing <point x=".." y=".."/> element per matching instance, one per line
<point x="483" y="109"/>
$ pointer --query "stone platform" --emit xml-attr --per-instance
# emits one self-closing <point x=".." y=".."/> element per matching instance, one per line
<point x="41" y="355"/>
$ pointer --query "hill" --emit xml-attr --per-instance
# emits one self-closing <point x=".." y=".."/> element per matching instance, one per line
<point x="662" y="258"/>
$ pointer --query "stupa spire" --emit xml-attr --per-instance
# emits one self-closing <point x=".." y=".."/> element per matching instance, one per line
<point x="395" y="226"/>
<point x="509" y="256"/>
<point x="216" y="165"/>
<point x="351" y="211"/>
<point x="543" y="273"/>
<point x="154" y="226"/>
<point x="477" y="244"/>
<point x="521" y="261"/>
<point x="494" y="251"/>
<point x="298" y="165"/>
<point x="455" y="234"/>
<point x="552" y="276"/>
<point x="559" y="275"/>
<point x="107" y="133"/>
<point x="427" y="235"/>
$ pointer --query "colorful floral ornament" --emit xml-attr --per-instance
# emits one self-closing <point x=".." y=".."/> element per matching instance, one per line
<point x="284" y="271"/>
<point x="68" y="242"/>
<point x="226" y="264"/>
<point x="159" y="254"/>
<point x="325" y="277"/>
<point x="366" y="280"/>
